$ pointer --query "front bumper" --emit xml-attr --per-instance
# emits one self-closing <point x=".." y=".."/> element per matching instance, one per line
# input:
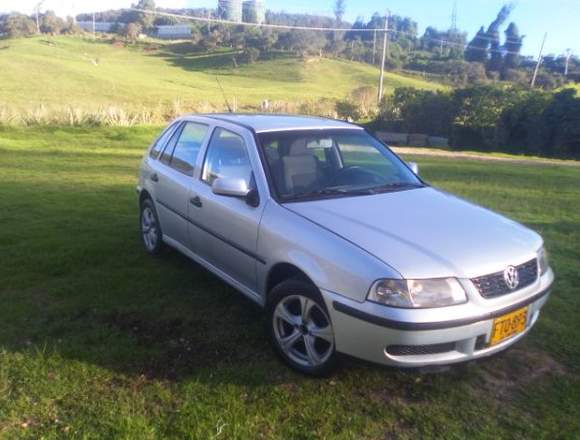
<point x="369" y="332"/>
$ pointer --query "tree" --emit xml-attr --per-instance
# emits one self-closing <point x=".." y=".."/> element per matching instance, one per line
<point x="496" y="61"/>
<point x="144" y="19"/>
<point x="513" y="46"/>
<point x="306" y="42"/>
<point x="70" y="27"/>
<point x="17" y="25"/>
<point x="51" y="24"/>
<point x="339" y="10"/>
<point x="447" y="44"/>
<point x="250" y="55"/>
<point x="477" y="50"/>
<point x="132" y="31"/>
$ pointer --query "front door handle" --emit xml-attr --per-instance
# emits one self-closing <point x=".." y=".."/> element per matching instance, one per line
<point x="196" y="201"/>
<point x="154" y="177"/>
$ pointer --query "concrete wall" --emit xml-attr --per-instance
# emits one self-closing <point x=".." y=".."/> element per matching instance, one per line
<point x="412" y="139"/>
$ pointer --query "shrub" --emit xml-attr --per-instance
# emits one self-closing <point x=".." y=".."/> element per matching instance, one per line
<point x="349" y="110"/>
<point x="489" y="117"/>
<point x="250" y="55"/>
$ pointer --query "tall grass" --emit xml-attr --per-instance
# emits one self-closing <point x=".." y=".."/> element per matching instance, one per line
<point x="102" y="116"/>
<point x="119" y="116"/>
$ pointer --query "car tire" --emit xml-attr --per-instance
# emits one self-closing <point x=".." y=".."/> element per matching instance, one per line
<point x="300" y="328"/>
<point x="151" y="235"/>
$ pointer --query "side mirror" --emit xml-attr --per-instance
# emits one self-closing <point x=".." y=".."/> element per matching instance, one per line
<point x="414" y="167"/>
<point x="231" y="187"/>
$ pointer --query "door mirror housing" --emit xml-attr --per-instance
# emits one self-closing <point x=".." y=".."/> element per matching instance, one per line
<point x="414" y="167"/>
<point x="231" y="187"/>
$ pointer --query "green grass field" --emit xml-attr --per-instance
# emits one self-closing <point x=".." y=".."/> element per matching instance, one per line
<point x="99" y="340"/>
<point x="65" y="71"/>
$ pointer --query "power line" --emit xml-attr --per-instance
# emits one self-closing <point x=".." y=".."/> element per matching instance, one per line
<point x="323" y="29"/>
<point x="262" y="25"/>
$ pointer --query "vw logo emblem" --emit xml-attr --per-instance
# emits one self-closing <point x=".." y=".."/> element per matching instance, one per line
<point x="511" y="277"/>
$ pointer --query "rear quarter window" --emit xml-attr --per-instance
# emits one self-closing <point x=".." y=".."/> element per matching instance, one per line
<point x="162" y="141"/>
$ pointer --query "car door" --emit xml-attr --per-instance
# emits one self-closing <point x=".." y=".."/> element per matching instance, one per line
<point x="229" y="225"/>
<point x="174" y="178"/>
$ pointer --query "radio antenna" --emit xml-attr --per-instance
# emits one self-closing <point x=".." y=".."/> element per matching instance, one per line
<point x="224" y="95"/>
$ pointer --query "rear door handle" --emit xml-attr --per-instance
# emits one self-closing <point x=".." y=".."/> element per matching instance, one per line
<point x="154" y="177"/>
<point x="196" y="201"/>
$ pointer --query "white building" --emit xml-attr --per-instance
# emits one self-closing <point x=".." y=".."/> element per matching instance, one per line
<point x="100" y="26"/>
<point x="174" y="32"/>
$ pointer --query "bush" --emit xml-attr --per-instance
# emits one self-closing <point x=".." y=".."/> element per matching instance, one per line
<point x="458" y="72"/>
<point x="349" y="110"/>
<point x="421" y="111"/>
<point x="17" y="25"/>
<point x="489" y="117"/>
<point x="516" y="76"/>
<point x="250" y="55"/>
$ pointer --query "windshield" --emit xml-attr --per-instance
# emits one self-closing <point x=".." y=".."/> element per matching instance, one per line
<point x="328" y="163"/>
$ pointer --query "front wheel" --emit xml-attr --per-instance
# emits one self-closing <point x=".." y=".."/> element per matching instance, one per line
<point x="300" y="328"/>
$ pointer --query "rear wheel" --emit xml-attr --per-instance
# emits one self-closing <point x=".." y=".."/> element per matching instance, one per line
<point x="300" y="328"/>
<point x="150" y="228"/>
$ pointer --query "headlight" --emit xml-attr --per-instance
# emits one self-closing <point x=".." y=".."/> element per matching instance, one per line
<point x="418" y="294"/>
<point x="543" y="262"/>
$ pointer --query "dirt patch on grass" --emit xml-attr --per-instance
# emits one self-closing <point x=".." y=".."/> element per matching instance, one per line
<point x="515" y="369"/>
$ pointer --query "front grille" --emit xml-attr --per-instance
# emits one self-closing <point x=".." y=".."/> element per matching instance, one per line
<point x="494" y="285"/>
<point x="417" y="350"/>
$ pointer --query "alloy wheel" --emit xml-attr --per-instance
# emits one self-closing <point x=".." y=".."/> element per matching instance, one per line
<point x="149" y="228"/>
<point x="303" y="331"/>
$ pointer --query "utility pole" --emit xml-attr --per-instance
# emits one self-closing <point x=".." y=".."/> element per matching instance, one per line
<point x="37" y="11"/>
<point x="374" y="47"/>
<point x="385" y="51"/>
<point x="94" y="27"/>
<point x="568" y="56"/>
<point x="536" y="70"/>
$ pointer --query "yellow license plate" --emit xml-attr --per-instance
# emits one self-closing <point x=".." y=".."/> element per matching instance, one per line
<point x="509" y="325"/>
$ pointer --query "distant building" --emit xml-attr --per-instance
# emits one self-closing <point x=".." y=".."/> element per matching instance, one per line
<point x="174" y="32"/>
<point x="100" y="26"/>
<point x="254" y="11"/>
<point x="230" y="10"/>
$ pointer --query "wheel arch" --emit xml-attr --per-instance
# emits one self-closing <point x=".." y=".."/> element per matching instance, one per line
<point x="144" y="195"/>
<point x="284" y="271"/>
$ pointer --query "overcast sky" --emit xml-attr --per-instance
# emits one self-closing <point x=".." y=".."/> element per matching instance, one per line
<point x="560" y="18"/>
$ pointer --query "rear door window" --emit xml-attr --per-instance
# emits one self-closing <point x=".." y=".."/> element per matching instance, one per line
<point x="187" y="147"/>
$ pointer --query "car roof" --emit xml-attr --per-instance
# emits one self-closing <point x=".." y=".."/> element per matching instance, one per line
<point x="263" y="123"/>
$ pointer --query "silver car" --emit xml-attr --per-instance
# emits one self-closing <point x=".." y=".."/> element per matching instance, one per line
<point x="341" y="242"/>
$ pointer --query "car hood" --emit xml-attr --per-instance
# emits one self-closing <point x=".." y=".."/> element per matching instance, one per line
<point x="425" y="233"/>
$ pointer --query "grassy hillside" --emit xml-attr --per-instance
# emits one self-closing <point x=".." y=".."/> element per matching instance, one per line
<point x="80" y="72"/>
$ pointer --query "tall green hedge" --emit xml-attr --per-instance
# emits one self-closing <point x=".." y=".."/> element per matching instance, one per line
<point x="490" y="118"/>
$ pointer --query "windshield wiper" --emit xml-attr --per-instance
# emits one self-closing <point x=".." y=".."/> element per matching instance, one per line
<point x="330" y="192"/>
<point x="397" y="186"/>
